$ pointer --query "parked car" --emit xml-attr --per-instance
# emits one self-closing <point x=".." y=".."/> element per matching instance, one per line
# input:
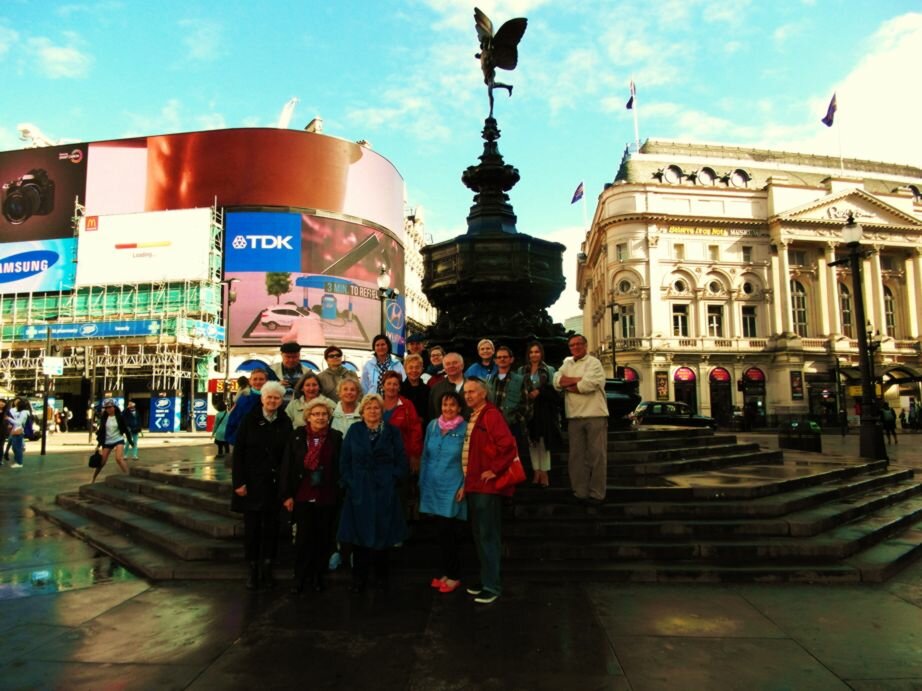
<point x="621" y="397"/>
<point x="282" y="315"/>
<point x="670" y="413"/>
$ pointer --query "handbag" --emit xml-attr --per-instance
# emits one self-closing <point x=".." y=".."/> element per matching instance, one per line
<point x="95" y="460"/>
<point x="514" y="475"/>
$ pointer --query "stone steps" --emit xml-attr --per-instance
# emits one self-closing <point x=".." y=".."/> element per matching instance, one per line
<point x="718" y="510"/>
<point x="203" y="522"/>
<point x="178" y="541"/>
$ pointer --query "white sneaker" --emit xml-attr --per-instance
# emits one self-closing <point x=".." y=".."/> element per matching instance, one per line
<point x="16" y="465"/>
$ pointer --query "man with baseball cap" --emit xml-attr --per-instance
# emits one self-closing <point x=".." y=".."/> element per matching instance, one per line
<point x="290" y="369"/>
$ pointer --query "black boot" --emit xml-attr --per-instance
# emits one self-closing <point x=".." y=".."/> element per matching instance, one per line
<point x="253" y="576"/>
<point x="266" y="576"/>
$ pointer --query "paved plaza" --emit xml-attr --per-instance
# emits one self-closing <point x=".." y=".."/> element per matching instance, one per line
<point x="71" y="618"/>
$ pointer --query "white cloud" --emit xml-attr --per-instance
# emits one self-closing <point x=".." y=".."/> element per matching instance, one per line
<point x="878" y="105"/>
<point x="567" y="304"/>
<point x="9" y="139"/>
<point x="210" y="121"/>
<point x="203" y="39"/>
<point x="57" y="61"/>
<point x="8" y="39"/>
<point x="167" y="120"/>
<point x="785" y="32"/>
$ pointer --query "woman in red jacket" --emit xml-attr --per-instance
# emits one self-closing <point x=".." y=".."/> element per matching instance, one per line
<point x="401" y="413"/>
<point x="489" y="450"/>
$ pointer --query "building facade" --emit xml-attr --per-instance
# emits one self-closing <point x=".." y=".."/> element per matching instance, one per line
<point x="712" y="266"/>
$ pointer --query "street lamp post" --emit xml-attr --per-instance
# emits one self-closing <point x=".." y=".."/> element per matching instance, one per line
<point x="385" y="293"/>
<point x="615" y="312"/>
<point x="871" y="443"/>
<point x="229" y="298"/>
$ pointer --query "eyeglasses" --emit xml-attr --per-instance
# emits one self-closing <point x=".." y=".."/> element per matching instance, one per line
<point x="334" y="356"/>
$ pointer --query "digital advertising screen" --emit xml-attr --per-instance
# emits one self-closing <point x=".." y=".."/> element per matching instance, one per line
<point x="37" y="266"/>
<point x="38" y="188"/>
<point x="144" y="247"/>
<point x="314" y="279"/>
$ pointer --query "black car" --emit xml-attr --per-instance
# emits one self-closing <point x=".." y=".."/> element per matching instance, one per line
<point x="670" y="413"/>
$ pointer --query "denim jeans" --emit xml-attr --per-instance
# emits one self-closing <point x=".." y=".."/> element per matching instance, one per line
<point x="486" y="514"/>
<point x="18" y="443"/>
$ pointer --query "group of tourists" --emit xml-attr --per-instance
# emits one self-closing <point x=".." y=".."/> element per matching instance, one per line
<point x="349" y="459"/>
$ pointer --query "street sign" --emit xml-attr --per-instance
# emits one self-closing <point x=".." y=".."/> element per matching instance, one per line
<point x="53" y="366"/>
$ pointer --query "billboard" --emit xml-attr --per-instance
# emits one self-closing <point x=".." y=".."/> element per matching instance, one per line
<point x="252" y="167"/>
<point x="38" y="188"/>
<point x="144" y="247"/>
<point x="311" y="278"/>
<point x="41" y="265"/>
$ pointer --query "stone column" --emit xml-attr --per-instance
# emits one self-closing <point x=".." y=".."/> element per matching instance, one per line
<point x="832" y="280"/>
<point x="777" y="321"/>
<point x="784" y="288"/>
<point x="874" y="290"/>
<point x="911" y="291"/>
<point x="826" y="292"/>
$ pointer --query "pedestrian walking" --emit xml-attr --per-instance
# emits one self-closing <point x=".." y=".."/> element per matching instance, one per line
<point x="888" y="420"/>
<point x="19" y="423"/>
<point x="133" y="420"/>
<point x="110" y="437"/>
<point x="220" y="428"/>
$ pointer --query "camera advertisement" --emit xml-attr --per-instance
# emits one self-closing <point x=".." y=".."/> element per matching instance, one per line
<point x="312" y="279"/>
<point x="38" y="188"/>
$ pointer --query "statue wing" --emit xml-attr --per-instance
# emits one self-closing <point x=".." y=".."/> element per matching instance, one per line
<point x="484" y="26"/>
<point x="506" y="41"/>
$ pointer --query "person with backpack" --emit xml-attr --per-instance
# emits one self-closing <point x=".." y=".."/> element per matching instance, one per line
<point x="21" y="420"/>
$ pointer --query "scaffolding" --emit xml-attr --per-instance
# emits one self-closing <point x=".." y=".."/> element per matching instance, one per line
<point x="167" y="331"/>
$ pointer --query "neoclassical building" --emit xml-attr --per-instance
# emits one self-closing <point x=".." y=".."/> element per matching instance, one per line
<point x="716" y="262"/>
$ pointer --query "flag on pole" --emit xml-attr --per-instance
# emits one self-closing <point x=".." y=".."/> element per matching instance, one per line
<point x="830" y="112"/>
<point x="578" y="194"/>
<point x="630" y="102"/>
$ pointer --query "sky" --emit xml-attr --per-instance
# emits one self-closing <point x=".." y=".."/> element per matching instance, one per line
<point x="402" y="75"/>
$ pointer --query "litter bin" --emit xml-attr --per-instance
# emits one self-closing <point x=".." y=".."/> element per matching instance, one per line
<point x="800" y="435"/>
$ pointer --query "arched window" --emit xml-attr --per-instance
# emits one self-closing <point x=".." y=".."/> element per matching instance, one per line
<point x="889" y="314"/>
<point x="845" y="308"/>
<point x="799" y="308"/>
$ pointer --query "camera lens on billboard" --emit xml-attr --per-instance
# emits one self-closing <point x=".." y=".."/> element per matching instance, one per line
<point x="30" y="195"/>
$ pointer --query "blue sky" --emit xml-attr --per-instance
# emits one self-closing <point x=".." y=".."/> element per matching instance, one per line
<point x="402" y="75"/>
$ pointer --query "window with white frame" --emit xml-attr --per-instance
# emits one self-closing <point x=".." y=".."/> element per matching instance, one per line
<point x="678" y="252"/>
<point x="889" y="312"/>
<point x="747" y="254"/>
<point x="750" y="322"/>
<point x="799" y="308"/>
<point x="621" y="253"/>
<point x="845" y="309"/>
<point x="680" y="320"/>
<point x="715" y="321"/>
<point x="628" y="322"/>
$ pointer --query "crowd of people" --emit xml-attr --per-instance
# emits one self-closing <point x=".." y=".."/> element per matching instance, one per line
<point x="349" y="459"/>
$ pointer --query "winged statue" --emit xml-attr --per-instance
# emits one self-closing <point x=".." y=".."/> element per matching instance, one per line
<point x="498" y="50"/>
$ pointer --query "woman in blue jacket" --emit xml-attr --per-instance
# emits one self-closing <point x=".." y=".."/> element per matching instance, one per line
<point x="371" y="465"/>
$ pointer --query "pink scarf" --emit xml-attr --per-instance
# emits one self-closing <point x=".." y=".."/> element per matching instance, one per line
<point x="448" y="425"/>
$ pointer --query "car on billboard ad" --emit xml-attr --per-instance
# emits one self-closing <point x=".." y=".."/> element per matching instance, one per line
<point x="311" y="279"/>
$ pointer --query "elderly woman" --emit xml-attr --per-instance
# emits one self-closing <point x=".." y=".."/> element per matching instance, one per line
<point x="414" y="388"/>
<point x="111" y="436"/>
<point x="310" y="488"/>
<point x="383" y="361"/>
<point x="307" y="389"/>
<point x="245" y="403"/>
<point x="489" y="451"/>
<point x="346" y="412"/>
<point x="441" y="486"/>
<point x="261" y="442"/>
<point x="371" y="466"/>
<point x="544" y="424"/>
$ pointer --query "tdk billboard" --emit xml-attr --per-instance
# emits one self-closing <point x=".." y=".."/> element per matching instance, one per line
<point x="261" y="241"/>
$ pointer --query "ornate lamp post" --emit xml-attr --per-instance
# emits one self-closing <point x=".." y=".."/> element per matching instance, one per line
<point x="229" y="298"/>
<point x="871" y="431"/>
<point x="384" y="293"/>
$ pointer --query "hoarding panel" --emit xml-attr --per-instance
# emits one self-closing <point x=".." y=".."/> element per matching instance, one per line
<point x="144" y="247"/>
<point x="42" y="265"/>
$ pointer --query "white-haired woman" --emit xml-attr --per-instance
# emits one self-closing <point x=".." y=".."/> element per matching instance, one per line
<point x="371" y="465"/>
<point x="261" y="442"/>
<point x="310" y="491"/>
